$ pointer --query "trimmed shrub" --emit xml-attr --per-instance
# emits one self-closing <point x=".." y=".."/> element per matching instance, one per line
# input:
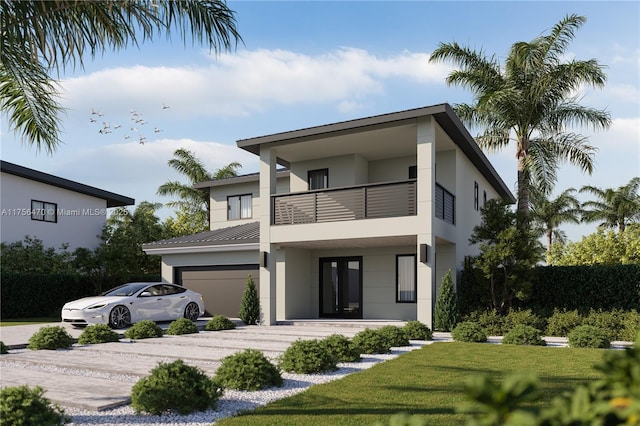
<point x="446" y="312"/>
<point x="395" y="335"/>
<point x="250" y="304"/>
<point x="248" y="370"/>
<point x="468" y="331"/>
<point x="371" y="342"/>
<point x="3" y="348"/>
<point x="50" y="337"/>
<point x="523" y="334"/>
<point x="219" y="322"/>
<point x="307" y="356"/>
<point x="496" y="324"/>
<point x="25" y="406"/>
<point x="588" y="336"/>
<point x="98" y="333"/>
<point x="610" y="322"/>
<point x="176" y="387"/>
<point x="145" y="329"/>
<point x="182" y="326"/>
<point x="631" y="329"/>
<point x="561" y="323"/>
<point x="523" y="317"/>
<point x="341" y="347"/>
<point x="416" y="330"/>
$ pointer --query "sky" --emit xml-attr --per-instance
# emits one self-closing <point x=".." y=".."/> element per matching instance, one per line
<point x="304" y="64"/>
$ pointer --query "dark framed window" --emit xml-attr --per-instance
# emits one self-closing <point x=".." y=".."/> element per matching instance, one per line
<point x="476" y="196"/>
<point x="43" y="211"/>
<point x="406" y="274"/>
<point x="318" y="179"/>
<point x="413" y="172"/>
<point x="484" y="198"/>
<point x="239" y="207"/>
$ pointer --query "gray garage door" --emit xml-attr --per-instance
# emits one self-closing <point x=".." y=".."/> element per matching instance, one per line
<point x="221" y="286"/>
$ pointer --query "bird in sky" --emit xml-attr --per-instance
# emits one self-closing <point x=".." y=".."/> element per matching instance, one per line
<point x="156" y="130"/>
<point x="92" y="120"/>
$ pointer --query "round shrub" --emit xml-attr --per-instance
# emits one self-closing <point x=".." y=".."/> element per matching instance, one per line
<point x="523" y="334"/>
<point x="341" y="347"/>
<point x="145" y="329"/>
<point x="610" y="322"/>
<point x="491" y="322"/>
<point x="219" y="322"/>
<point x="416" y="330"/>
<point x="372" y="342"/>
<point x="562" y="322"/>
<point x="98" y="333"/>
<point x="588" y="336"/>
<point x="50" y="337"/>
<point x="248" y="370"/>
<point x="631" y="327"/>
<point x="395" y="335"/>
<point x="307" y="356"/>
<point x="3" y="348"/>
<point x="25" y="406"/>
<point x="468" y="332"/>
<point x="176" y="387"/>
<point x="182" y="326"/>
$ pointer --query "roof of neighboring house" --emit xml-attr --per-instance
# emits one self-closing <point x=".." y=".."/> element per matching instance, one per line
<point x="247" y="233"/>
<point x="112" y="199"/>
<point x="250" y="177"/>
<point x="443" y="114"/>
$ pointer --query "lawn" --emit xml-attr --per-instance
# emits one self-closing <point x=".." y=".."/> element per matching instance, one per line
<point x="28" y="321"/>
<point x="428" y="382"/>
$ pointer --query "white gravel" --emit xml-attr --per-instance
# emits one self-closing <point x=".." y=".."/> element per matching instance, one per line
<point x="232" y="402"/>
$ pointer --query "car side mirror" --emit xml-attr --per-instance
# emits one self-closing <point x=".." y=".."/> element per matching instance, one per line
<point x="145" y="294"/>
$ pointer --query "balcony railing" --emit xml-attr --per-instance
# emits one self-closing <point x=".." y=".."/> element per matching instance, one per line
<point x="352" y="203"/>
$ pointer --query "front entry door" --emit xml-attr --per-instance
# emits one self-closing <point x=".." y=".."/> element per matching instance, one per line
<point x="341" y="287"/>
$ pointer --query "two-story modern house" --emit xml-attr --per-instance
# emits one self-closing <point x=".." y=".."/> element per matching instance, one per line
<point x="363" y="222"/>
<point x="52" y="209"/>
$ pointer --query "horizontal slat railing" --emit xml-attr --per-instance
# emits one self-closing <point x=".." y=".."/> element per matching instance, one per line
<point x="353" y="203"/>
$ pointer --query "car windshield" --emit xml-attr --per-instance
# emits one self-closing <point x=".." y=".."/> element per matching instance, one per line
<point x="126" y="289"/>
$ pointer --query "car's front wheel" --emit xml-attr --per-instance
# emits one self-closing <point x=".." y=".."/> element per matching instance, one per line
<point x="120" y="317"/>
<point x="192" y="311"/>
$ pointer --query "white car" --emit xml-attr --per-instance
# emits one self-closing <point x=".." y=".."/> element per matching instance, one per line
<point x="134" y="302"/>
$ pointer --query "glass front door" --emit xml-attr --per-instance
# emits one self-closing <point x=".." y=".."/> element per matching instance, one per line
<point x="341" y="287"/>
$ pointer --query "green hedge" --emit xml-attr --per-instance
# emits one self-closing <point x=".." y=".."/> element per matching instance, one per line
<point x="583" y="288"/>
<point x="24" y="295"/>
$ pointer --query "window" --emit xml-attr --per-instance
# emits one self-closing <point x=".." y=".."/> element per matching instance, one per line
<point x="476" y="196"/>
<point x="239" y="207"/>
<point x="413" y="172"/>
<point x="43" y="211"/>
<point x="484" y="198"/>
<point x="405" y="278"/>
<point x="318" y="179"/>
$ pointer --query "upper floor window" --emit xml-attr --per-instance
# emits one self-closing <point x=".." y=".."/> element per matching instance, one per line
<point x="239" y="207"/>
<point x="43" y="211"/>
<point x="318" y="179"/>
<point x="413" y="172"/>
<point x="476" y="196"/>
<point x="484" y="198"/>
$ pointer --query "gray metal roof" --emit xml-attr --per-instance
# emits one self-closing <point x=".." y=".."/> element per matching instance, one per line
<point x="250" y="177"/>
<point x="112" y="199"/>
<point x="239" y="234"/>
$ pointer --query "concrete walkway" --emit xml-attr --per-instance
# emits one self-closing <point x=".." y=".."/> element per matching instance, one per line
<point x="98" y="377"/>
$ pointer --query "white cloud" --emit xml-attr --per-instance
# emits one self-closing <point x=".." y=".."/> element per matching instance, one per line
<point x="237" y="84"/>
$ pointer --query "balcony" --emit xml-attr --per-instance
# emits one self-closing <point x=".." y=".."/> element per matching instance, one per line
<point x="369" y="201"/>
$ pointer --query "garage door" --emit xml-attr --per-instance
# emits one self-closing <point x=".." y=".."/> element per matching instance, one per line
<point x="221" y="286"/>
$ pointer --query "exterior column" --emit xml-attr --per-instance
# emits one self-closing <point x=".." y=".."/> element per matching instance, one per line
<point x="426" y="141"/>
<point x="267" y="252"/>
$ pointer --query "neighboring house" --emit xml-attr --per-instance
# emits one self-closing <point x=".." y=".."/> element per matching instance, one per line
<point x="52" y="209"/>
<point x="364" y="222"/>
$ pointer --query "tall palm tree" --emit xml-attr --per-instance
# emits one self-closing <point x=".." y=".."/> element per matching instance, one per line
<point x="193" y="201"/>
<point x="39" y="37"/>
<point x="613" y="207"/>
<point x="550" y="214"/>
<point x="531" y="100"/>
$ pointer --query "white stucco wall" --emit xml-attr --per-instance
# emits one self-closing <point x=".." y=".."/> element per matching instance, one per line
<point x="80" y="218"/>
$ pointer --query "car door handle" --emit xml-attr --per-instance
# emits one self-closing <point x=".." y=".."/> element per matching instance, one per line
<point x="159" y="298"/>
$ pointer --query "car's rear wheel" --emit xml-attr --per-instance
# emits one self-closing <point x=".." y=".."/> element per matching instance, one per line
<point x="192" y="311"/>
<point x="120" y="317"/>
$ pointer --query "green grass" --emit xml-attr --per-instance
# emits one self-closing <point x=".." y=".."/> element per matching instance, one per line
<point x="428" y="382"/>
<point x="28" y="321"/>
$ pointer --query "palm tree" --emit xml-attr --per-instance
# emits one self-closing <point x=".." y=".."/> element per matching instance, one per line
<point x="43" y="36"/>
<point x="192" y="201"/>
<point x="530" y="101"/>
<point x="550" y="214"/>
<point x="613" y="207"/>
